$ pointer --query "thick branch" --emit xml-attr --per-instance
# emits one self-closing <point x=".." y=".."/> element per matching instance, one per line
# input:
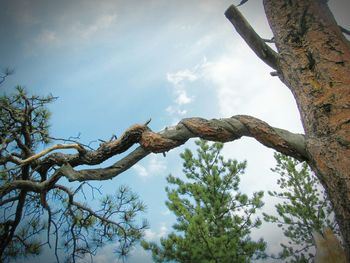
<point x="32" y="186"/>
<point x="222" y="130"/>
<point x="108" y="172"/>
<point x="93" y="157"/>
<point x="257" y="44"/>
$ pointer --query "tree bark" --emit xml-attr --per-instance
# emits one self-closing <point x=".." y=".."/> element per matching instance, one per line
<point x="312" y="60"/>
<point x="315" y="65"/>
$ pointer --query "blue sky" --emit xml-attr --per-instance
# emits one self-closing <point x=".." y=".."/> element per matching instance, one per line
<point x="115" y="63"/>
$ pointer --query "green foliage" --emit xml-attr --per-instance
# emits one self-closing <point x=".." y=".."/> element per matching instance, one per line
<point x="21" y="111"/>
<point x="57" y="216"/>
<point x="214" y="218"/>
<point x="305" y="207"/>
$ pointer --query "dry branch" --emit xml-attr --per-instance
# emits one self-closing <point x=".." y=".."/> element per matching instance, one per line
<point x="254" y="41"/>
<point x="76" y="146"/>
<point x="223" y="130"/>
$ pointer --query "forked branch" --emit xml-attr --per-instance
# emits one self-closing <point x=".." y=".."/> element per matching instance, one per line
<point x="223" y="130"/>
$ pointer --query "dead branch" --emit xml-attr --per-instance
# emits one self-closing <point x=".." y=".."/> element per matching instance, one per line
<point x="222" y="130"/>
<point x="34" y="157"/>
<point x="254" y="41"/>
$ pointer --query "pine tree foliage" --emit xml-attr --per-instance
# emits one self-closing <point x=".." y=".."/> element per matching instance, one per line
<point x="56" y="216"/>
<point x="214" y="219"/>
<point x="304" y="208"/>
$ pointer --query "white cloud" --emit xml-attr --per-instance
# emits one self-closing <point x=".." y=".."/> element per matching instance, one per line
<point x="101" y="23"/>
<point x="150" y="235"/>
<point x="182" y="75"/>
<point x="78" y="32"/>
<point x="178" y="80"/>
<point x="166" y="212"/>
<point x="156" y="235"/>
<point x="155" y="165"/>
<point x="172" y="110"/>
<point x="182" y="98"/>
<point x="182" y="82"/>
<point x="163" y="231"/>
<point x="140" y="170"/>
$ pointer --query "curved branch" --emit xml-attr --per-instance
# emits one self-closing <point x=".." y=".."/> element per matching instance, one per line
<point x="34" y="157"/>
<point x="33" y="186"/>
<point x="106" y="150"/>
<point x="223" y="130"/>
<point x="254" y="41"/>
<point x="108" y="172"/>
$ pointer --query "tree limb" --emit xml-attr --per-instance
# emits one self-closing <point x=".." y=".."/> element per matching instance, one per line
<point x="34" y="157"/>
<point x="106" y="150"/>
<point x="254" y="41"/>
<point x="223" y="130"/>
<point x="33" y="186"/>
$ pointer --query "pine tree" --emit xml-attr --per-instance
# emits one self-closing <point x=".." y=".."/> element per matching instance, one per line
<point x="35" y="214"/>
<point x="305" y="208"/>
<point x="214" y="218"/>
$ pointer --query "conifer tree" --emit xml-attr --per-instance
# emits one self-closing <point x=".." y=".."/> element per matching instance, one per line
<point x="38" y="210"/>
<point x="305" y="208"/>
<point x="214" y="218"/>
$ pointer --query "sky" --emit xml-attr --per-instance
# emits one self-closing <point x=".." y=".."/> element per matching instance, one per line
<point x="115" y="63"/>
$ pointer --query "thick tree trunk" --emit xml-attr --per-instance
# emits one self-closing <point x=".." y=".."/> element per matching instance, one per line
<point x="315" y="64"/>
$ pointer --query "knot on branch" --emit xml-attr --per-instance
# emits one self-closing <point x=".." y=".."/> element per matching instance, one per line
<point x="131" y="135"/>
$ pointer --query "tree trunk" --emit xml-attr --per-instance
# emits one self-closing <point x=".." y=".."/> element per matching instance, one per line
<point x="315" y="64"/>
<point x="313" y="60"/>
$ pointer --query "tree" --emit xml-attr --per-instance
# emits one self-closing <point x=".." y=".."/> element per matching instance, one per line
<point x="34" y="203"/>
<point x="312" y="59"/>
<point x="214" y="218"/>
<point x="304" y="208"/>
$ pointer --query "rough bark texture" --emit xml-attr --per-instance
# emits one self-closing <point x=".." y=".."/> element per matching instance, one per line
<point x="222" y="130"/>
<point x="312" y="59"/>
<point x="315" y="65"/>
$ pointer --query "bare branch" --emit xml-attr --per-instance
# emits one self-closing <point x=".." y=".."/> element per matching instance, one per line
<point x="76" y="146"/>
<point x="32" y="186"/>
<point x="222" y="130"/>
<point x="105" y="150"/>
<point x="254" y="41"/>
<point x="108" y="172"/>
